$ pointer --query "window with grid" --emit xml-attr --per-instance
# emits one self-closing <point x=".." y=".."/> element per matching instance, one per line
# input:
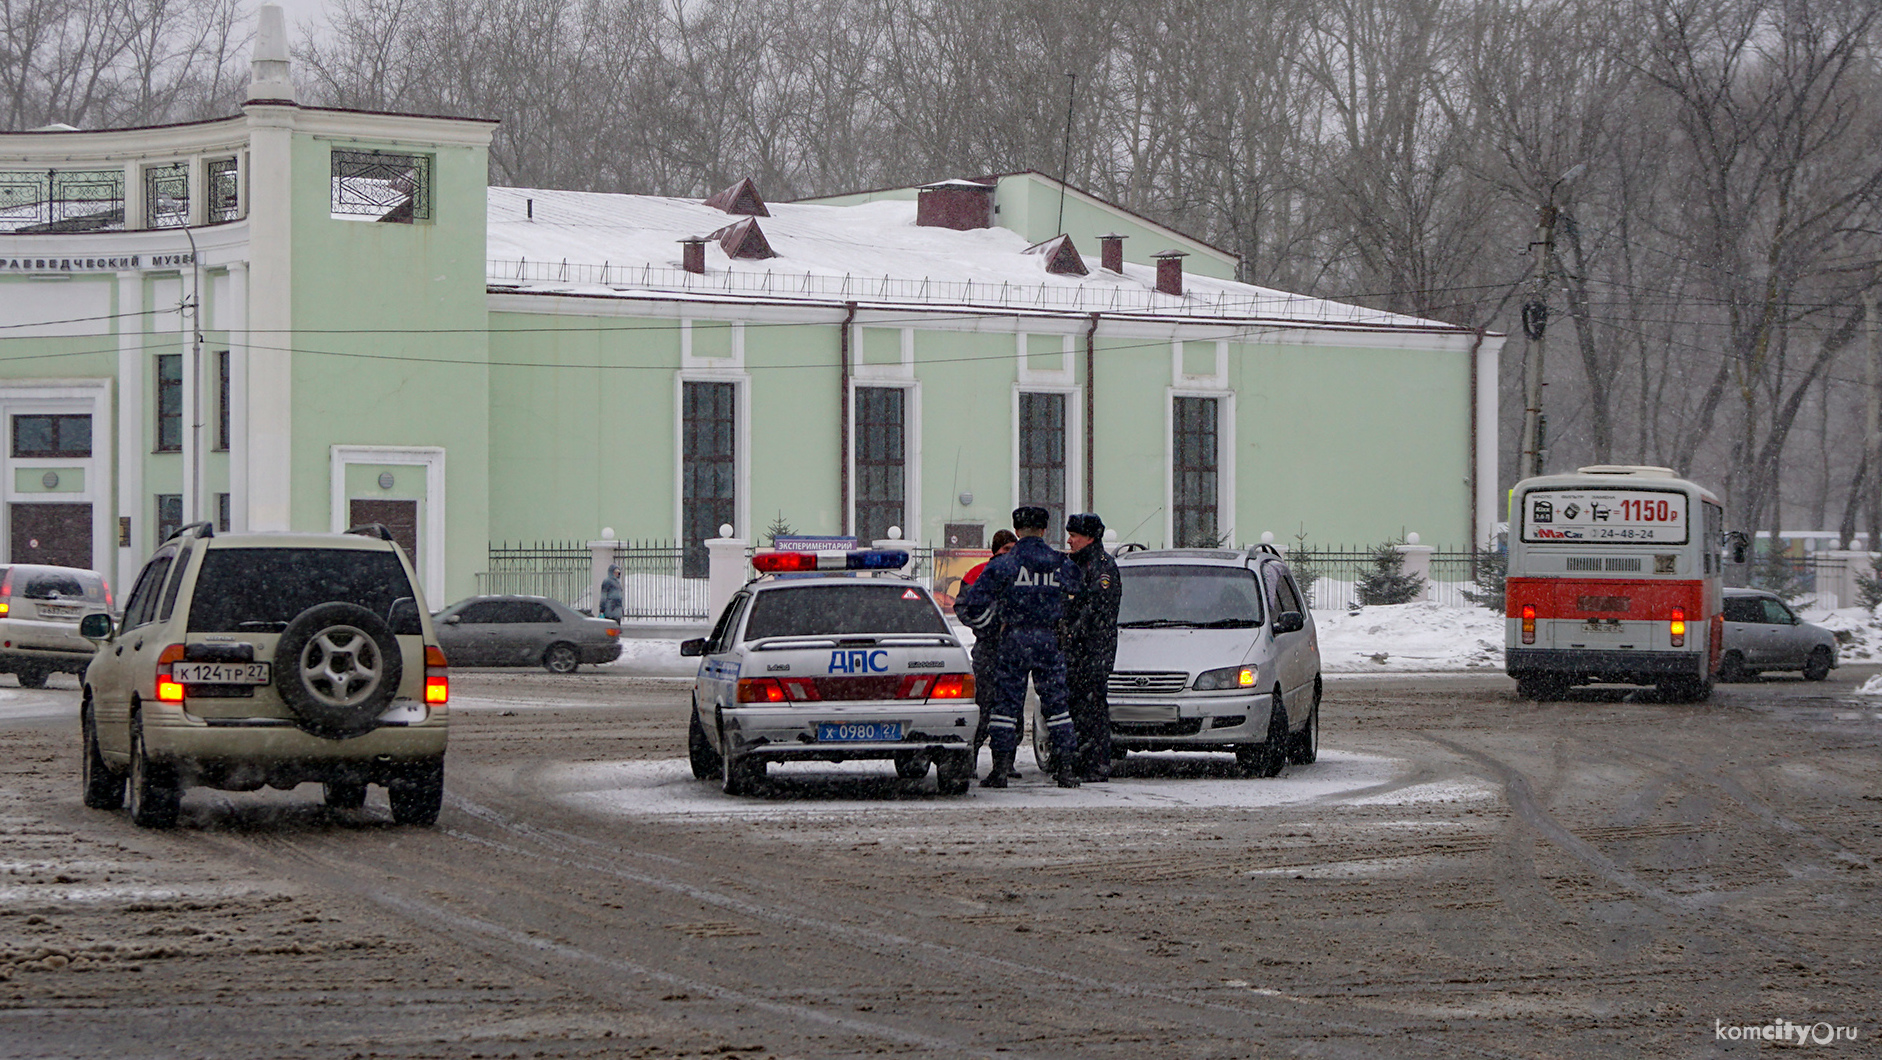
<point x="381" y="186"/>
<point x="224" y="180"/>
<point x="169" y="514"/>
<point x="1042" y="455"/>
<point x="169" y="403"/>
<point x="1197" y="459"/>
<point x="708" y="468"/>
<point x="52" y="436"/>
<point x="167" y="196"/>
<point x="881" y="461"/>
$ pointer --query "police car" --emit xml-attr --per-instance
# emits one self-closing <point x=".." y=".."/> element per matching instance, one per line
<point x="826" y="657"/>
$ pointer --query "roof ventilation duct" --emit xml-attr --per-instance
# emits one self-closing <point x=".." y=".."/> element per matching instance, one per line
<point x="693" y="254"/>
<point x="1111" y="249"/>
<point x="962" y="205"/>
<point x="1170" y="271"/>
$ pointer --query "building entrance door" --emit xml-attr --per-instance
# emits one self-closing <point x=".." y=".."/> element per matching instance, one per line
<point x="55" y="534"/>
<point x="400" y="517"/>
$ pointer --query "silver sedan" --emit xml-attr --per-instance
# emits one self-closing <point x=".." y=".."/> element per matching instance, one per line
<point x="524" y="631"/>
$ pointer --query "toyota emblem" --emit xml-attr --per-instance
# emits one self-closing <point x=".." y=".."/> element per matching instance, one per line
<point x="1141" y="682"/>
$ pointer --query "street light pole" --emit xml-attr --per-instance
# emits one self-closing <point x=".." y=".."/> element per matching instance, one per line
<point x="1535" y="327"/>
<point x="193" y="390"/>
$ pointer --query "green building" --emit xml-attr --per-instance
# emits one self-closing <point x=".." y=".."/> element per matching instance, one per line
<point x="305" y="318"/>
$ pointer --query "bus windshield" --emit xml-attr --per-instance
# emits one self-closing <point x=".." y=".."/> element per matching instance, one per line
<point x="1586" y="515"/>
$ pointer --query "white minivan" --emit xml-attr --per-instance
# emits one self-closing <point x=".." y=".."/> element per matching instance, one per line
<point x="1216" y="651"/>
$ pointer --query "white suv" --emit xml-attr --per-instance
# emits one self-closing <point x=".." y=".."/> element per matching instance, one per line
<point x="246" y="660"/>
<point x="1216" y="651"/>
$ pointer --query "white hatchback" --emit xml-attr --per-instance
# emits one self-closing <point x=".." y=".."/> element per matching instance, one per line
<point x="1216" y="651"/>
<point x="829" y="667"/>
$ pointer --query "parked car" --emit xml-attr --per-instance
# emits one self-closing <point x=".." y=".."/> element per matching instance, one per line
<point x="524" y="631"/>
<point x="1763" y="633"/>
<point x="246" y="660"/>
<point x="830" y="665"/>
<point x="1216" y="651"/>
<point x="40" y="608"/>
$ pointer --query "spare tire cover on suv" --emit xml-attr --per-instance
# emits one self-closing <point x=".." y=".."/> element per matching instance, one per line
<point x="337" y="666"/>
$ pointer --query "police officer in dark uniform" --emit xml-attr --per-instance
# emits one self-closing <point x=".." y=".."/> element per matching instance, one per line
<point x="1028" y="586"/>
<point x="1088" y="637"/>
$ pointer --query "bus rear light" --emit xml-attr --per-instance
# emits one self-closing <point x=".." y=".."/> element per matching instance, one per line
<point x="1677" y="627"/>
<point x="1529" y="623"/>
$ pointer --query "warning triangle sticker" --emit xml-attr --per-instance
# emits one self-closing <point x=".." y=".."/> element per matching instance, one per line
<point x="911" y="595"/>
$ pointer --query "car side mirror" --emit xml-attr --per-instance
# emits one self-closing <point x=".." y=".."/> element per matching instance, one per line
<point x="454" y="620"/>
<point x="1290" y="622"/>
<point x="696" y="646"/>
<point x="96" y="627"/>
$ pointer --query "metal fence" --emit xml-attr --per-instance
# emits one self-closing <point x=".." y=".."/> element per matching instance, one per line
<point x="1335" y="572"/>
<point x="651" y="578"/>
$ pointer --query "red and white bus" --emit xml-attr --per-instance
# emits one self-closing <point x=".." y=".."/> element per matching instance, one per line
<point x="1614" y="576"/>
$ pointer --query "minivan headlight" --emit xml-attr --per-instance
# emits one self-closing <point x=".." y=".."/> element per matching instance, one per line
<point x="1226" y="677"/>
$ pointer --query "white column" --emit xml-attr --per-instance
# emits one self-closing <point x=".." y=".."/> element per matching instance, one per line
<point x="190" y="281"/>
<point x="270" y="418"/>
<point x="1489" y="500"/>
<point x="1418" y="561"/>
<point x="726" y="568"/>
<point x="1851" y="567"/>
<point x="601" y="557"/>
<point x="236" y="323"/>
<point x="131" y="444"/>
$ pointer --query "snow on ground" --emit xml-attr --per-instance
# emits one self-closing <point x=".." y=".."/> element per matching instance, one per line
<point x="1858" y="632"/>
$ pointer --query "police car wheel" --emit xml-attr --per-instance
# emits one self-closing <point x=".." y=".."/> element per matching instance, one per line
<point x="911" y="765"/>
<point x="699" y="750"/>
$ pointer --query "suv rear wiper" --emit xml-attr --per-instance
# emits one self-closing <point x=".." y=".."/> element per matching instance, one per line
<point x="1160" y="623"/>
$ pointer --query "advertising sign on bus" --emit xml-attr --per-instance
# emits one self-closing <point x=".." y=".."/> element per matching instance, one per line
<point x="1605" y="516"/>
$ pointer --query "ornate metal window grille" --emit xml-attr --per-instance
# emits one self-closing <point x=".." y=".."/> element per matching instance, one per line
<point x="381" y="186"/>
<point x="224" y="182"/>
<point x="51" y="200"/>
<point x="167" y="196"/>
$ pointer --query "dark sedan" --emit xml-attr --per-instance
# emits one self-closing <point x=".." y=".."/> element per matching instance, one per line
<point x="524" y="631"/>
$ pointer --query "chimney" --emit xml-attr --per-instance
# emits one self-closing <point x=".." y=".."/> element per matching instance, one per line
<point x="270" y="80"/>
<point x="1169" y="271"/>
<point x="693" y="259"/>
<point x="1111" y="249"/>
<point x="962" y="205"/>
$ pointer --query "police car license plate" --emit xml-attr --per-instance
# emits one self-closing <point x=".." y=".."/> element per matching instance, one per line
<point x="858" y="731"/>
<point x="220" y="673"/>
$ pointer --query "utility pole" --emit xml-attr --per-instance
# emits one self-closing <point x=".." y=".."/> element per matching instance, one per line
<point x="1535" y="327"/>
<point x="1872" y="437"/>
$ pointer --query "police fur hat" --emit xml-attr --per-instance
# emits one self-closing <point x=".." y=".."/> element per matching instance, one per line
<point x="1030" y="517"/>
<point x="1085" y="523"/>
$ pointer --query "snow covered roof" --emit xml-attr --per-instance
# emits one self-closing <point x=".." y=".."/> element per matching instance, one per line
<point x="594" y="243"/>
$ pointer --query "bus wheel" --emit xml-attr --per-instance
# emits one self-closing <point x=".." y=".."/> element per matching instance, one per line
<point x="1540" y="689"/>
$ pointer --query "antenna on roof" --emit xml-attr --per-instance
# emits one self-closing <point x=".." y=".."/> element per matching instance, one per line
<point x="1065" y="164"/>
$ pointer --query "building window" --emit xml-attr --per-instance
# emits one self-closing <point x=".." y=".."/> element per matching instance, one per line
<point x="881" y="460"/>
<point x="381" y="186"/>
<point x="709" y="468"/>
<point x="224" y="186"/>
<point x="169" y="514"/>
<point x="169" y="403"/>
<point x="167" y="196"/>
<point x="1042" y="454"/>
<point x="222" y="512"/>
<point x="53" y="436"/>
<point x="222" y="400"/>
<point x="1197" y="460"/>
<point x="64" y="200"/>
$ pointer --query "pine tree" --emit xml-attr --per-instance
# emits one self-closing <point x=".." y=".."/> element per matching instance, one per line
<point x="1300" y="560"/>
<point x="778" y="528"/>
<point x="1492" y="567"/>
<point x="1387" y="582"/>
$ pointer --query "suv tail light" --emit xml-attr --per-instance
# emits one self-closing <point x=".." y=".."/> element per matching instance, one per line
<point x="1529" y="623"/>
<point x="6" y="592"/>
<point x="168" y="690"/>
<point x="437" y="677"/>
<point x="1677" y="627"/>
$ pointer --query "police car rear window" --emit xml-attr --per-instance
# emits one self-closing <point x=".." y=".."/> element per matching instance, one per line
<point x="826" y="610"/>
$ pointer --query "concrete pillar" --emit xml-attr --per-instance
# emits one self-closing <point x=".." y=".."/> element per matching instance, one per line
<point x="1418" y="561"/>
<point x="601" y="556"/>
<point x="1840" y="575"/>
<point x="726" y="570"/>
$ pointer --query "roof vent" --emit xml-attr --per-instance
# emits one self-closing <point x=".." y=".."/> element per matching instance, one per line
<point x="962" y="205"/>
<point x="270" y="77"/>
<point x="1062" y="258"/>
<point x="1111" y="249"/>
<point x="743" y="239"/>
<point x="741" y="198"/>
<point x="1170" y="271"/>
<point x="693" y="254"/>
